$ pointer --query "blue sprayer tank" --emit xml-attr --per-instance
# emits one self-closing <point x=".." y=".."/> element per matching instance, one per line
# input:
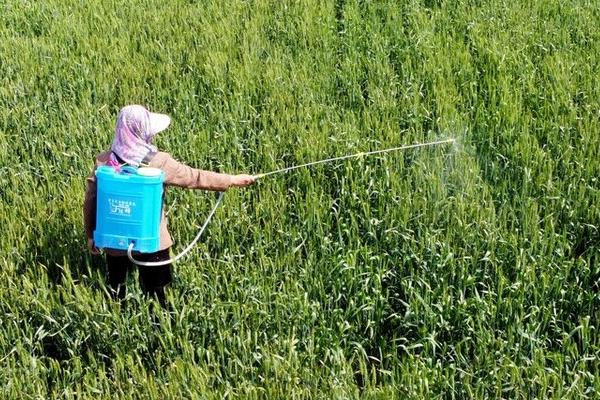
<point x="128" y="208"/>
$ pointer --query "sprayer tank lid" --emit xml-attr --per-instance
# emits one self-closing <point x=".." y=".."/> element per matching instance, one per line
<point x="149" y="171"/>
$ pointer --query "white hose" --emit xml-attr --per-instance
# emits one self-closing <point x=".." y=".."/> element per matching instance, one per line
<point x="282" y="170"/>
<point x="185" y="251"/>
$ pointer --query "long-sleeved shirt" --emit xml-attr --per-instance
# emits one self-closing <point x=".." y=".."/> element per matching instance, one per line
<point x="176" y="174"/>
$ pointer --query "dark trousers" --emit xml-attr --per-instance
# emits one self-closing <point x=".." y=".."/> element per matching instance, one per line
<point x="152" y="279"/>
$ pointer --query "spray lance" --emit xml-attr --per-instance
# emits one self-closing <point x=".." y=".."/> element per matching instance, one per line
<point x="130" y="242"/>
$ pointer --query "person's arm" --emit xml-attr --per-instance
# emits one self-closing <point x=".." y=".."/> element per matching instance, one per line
<point x="89" y="212"/>
<point x="179" y="174"/>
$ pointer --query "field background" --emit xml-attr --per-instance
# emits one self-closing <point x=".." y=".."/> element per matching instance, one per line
<point x="458" y="271"/>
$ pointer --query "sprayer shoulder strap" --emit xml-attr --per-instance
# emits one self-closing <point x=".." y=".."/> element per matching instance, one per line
<point x="148" y="158"/>
<point x="145" y="161"/>
<point x="119" y="159"/>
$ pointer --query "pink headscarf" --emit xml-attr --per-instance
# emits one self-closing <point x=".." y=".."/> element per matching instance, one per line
<point x="134" y="131"/>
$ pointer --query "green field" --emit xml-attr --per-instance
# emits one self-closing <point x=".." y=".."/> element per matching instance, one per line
<point x="463" y="271"/>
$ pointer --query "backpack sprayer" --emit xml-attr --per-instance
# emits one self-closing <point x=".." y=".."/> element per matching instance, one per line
<point x="129" y="205"/>
<point x="128" y="208"/>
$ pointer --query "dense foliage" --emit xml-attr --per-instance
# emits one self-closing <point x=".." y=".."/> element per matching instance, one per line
<point x="458" y="271"/>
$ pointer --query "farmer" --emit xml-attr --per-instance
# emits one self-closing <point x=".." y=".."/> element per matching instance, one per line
<point x="132" y="145"/>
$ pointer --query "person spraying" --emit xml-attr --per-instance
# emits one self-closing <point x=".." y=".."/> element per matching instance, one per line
<point x="132" y="146"/>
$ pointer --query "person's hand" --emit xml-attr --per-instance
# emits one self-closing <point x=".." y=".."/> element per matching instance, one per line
<point x="242" y="180"/>
<point x="92" y="247"/>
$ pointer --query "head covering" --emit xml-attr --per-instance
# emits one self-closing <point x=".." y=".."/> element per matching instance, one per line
<point x="134" y="131"/>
